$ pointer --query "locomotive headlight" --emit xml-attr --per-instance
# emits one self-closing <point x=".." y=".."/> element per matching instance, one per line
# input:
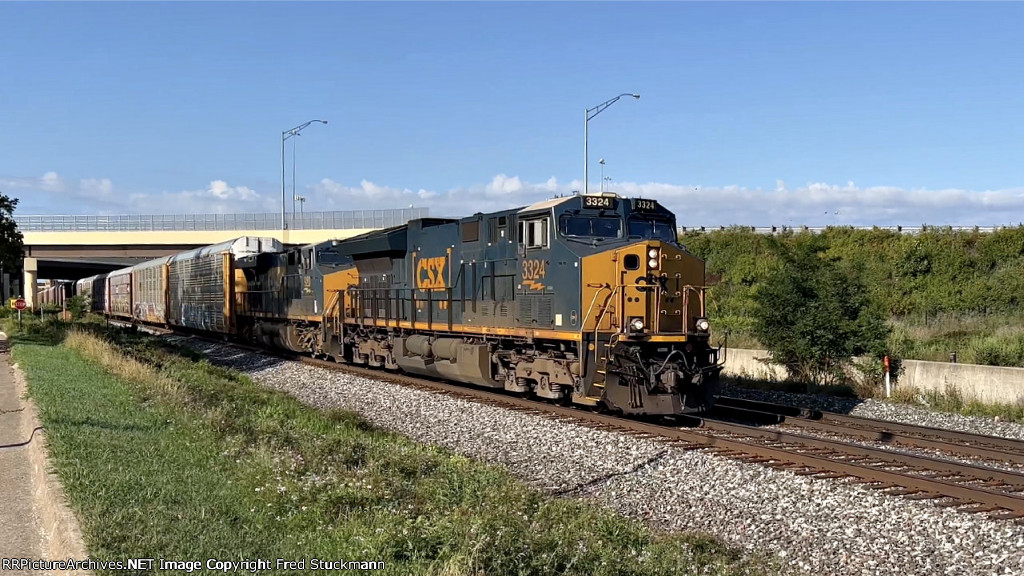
<point x="653" y="252"/>
<point x="703" y="325"/>
<point x="637" y="325"/>
<point x="652" y="263"/>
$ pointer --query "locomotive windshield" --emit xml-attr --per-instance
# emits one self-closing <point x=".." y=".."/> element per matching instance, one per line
<point x="653" y="227"/>
<point x="589" y="226"/>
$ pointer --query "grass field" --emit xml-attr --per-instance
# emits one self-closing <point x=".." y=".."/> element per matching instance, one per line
<point x="165" y="456"/>
<point x="991" y="339"/>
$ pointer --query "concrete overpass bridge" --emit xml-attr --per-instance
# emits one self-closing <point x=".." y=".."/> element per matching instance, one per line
<point x="71" y="247"/>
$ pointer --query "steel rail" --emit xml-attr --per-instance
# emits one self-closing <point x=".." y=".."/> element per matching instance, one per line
<point x="968" y="471"/>
<point x="954" y="442"/>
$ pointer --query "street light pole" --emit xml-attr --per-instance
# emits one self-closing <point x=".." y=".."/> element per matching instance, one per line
<point x="295" y="144"/>
<point x="588" y="115"/>
<point x="285" y="136"/>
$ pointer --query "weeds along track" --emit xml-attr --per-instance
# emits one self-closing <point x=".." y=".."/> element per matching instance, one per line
<point x="948" y="483"/>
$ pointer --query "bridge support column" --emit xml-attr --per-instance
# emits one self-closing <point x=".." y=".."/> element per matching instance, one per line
<point x="31" y="267"/>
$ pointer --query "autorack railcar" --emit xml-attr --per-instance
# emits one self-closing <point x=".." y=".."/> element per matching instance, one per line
<point x="94" y="290"/>
<point x="118" y="303"/>
<point x="202" y="284"/>
<point x="55" y="295"/>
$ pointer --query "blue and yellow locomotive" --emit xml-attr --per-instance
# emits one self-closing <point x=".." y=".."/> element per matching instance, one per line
<point x="585" y="299"/>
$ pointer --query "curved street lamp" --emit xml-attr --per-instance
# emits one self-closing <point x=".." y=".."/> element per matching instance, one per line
<point x="285" y="136"/>
<point x="590" y="113"/>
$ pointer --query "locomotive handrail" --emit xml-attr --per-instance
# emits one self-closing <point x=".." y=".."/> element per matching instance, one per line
<point x="597" y="326"/>
<point x="687" y="288"/>
<point x="332" y="302"/>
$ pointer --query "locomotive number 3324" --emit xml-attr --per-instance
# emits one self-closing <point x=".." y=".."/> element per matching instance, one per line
<point x="534" y="269"/>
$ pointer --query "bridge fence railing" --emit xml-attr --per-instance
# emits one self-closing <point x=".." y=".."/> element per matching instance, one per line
<point x="328" y="220"/>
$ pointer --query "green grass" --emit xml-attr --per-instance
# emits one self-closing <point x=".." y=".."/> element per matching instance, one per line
<point x="987" y="339"/>
<point x="990" y="339"/>
<point x="165" y="456"/>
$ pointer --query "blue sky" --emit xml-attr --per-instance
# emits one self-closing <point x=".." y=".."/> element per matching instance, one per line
<point x="751" y="113"/>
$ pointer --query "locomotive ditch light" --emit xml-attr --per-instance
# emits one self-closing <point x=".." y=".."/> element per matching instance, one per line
<point x="636" y="325"/>
<point x="703" y="325"/>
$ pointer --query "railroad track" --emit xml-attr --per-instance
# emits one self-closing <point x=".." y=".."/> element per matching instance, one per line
<point x="971" y="488"/>
<point x="991" y="448"/>
<point x="968" y="487"/>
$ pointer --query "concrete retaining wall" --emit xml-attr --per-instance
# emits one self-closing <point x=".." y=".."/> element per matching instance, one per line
<point x="994" y="384"/>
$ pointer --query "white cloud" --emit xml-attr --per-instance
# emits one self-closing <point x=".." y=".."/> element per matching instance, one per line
<point x="502" y="185"/>
<point x="52" y="193"/>
<point x="354" y="198"/>
<point x="217" y="197"/>
<point x="219" y="189"/>
<point x="96" y="186"/>
<point x="51" y="182"/>
<point x="813" y="204"/>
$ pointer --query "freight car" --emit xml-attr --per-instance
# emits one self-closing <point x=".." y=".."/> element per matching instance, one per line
<point x="55" y="295"/>
<point x="118" y="301"/>
<point x="201" y="284"/>
<point x="94" y="290"/>
<point x="193" y="289"/>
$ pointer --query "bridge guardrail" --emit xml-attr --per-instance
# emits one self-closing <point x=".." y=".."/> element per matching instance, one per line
<point x="333" y="220"/>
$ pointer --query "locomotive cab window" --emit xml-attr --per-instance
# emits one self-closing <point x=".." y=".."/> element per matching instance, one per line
<point x="653" y="228"/>
<point x="533" y="233"/>
<point x="589" y="226"/>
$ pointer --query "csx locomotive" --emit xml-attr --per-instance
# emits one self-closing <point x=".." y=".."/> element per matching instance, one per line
<point x="584" y="299"/>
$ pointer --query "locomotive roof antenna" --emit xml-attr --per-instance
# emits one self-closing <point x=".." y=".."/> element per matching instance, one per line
<point x="589" y="114"/>
<point x="285" y="136"/>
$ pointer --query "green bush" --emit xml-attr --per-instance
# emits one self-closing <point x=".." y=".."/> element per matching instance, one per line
<point x="942" y="290"/>
<point x="77" y="306"/>
<point x="814" y="316"/>
<point x="995" y="351"/>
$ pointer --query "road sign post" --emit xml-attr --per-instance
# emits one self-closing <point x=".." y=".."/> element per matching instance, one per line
<point x="20" y="305"/>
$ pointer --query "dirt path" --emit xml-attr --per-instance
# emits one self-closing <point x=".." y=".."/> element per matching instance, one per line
<point x="35" y="521"/>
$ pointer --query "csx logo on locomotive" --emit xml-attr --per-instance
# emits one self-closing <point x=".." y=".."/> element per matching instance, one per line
<point x="430" y="273"/>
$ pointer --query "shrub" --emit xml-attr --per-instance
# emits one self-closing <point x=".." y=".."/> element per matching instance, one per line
<point x="814" y="316"/>
<point x="77" y="306"/>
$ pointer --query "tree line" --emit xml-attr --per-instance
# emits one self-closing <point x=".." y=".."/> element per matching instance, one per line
<point x="807" y="291"/>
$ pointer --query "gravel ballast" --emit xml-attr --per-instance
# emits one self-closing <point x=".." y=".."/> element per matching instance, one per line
<point x="824" y="527"/>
